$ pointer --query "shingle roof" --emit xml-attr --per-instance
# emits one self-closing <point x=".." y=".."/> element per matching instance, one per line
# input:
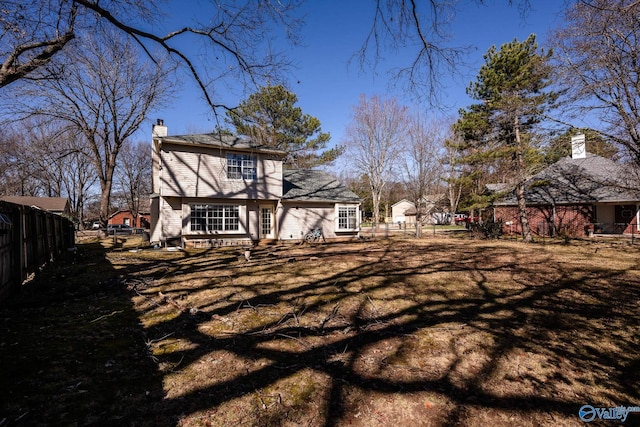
<point x="51" y="204"/>
<point x="234" y="142"/>
<point x="570" y="181"/>
<point x="316" y="186"/>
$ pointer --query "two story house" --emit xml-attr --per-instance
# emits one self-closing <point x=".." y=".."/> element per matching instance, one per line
<point x="214" y="189"/>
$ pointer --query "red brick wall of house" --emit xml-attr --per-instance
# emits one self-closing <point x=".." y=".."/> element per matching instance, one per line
<point x="119" y="218"/>
<point x="569" y="220"/>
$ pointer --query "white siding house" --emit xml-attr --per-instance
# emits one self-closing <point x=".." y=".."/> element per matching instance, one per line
<point x="403" y="211"/>
<point x="211" y="189"/>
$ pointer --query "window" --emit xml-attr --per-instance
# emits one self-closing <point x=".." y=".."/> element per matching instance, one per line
<point x="210" y="218"/>
<point x="347" y="217"/>
<point x="241" y="166"/>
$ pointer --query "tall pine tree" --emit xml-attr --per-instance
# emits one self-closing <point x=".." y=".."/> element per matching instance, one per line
<point x="511" y="89"/>
<point x="271" y="118"/>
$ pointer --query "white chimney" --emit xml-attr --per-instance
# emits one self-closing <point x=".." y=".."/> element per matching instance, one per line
<point x="578" y="147"/>
<point x="159" y="129"/>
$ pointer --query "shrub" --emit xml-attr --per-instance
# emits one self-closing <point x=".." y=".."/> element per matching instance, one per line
<point x="486" y="230"/>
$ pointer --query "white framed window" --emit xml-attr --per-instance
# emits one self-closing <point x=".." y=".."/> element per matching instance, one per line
<point x="241" y="166"/>
<point x="210" y="218"/>
<point x="347" y="218"/>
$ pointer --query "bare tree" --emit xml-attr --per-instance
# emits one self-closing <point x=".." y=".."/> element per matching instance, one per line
<point x="50" y="160"/>
<point x="373" y="141"/>
<point x="77" y="172"/>
<point x="15" y="179"/>
<point x="598" y="52"/>
<point x="104" y="95"/>
<point x="422" y="167"/>
<point x="43" y="157"/>
<point x="235" y="36"/>
<point x="425" y="27"/>
<point x="133" y="177"/>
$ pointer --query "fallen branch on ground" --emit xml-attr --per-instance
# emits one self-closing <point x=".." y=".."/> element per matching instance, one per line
<point x="106" y="315"/>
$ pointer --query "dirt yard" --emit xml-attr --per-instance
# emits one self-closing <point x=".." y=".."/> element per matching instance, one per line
<point x="401" y="332"/>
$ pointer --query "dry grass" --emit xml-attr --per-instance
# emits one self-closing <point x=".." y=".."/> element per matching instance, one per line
<point x="397" y="332"/>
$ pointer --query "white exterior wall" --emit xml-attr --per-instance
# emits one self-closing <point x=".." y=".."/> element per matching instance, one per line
<point x="169" y="219"/>
<point x="294" y="221"/>
<point x="253" y="218"/>
<point x="398" y="210"/>
<point x="155" y="166"/>
<point x="202" y="172"/>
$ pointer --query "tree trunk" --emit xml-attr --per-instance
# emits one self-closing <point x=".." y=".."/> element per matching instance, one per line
<point x="375" y="198"/>
<point x="520" y="187"/>
<point x="105" y="198"/>
<point x="522" y="212"/>
<point x="106" y="184"/>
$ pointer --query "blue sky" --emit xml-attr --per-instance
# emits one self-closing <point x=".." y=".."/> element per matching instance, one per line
<point x="328" y="86"/>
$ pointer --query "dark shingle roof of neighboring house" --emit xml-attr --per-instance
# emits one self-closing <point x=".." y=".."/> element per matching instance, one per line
<point x="315" y="186"/>
<point x="52" y="204"/>
<point x="233" y="142"/>
<point x="571" y="181"/>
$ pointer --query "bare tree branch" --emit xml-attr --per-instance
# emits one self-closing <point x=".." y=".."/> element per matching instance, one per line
<point x="599" y="64"/>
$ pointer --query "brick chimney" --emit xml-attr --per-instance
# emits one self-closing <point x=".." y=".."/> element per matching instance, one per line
<point x="159" y="129"/>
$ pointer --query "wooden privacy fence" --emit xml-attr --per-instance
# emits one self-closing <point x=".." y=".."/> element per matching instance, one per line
<point x="29" y="238"/>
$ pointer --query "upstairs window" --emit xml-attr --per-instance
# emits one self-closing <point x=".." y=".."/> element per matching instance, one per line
<point x="241" y="166"/>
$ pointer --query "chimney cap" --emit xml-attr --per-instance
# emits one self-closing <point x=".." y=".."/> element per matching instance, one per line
<point x="159" y="130"/>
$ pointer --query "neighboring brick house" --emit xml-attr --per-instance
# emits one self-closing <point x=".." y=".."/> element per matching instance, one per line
<point x="211" y="189"/>
<point x="575" y="196"/>
<point x="126" y="217"/>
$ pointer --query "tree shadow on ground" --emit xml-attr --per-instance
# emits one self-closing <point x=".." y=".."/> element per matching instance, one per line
<point x="340" y="335"/>
<point x="432" y="332"/>
<point x="72" y="350"/>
